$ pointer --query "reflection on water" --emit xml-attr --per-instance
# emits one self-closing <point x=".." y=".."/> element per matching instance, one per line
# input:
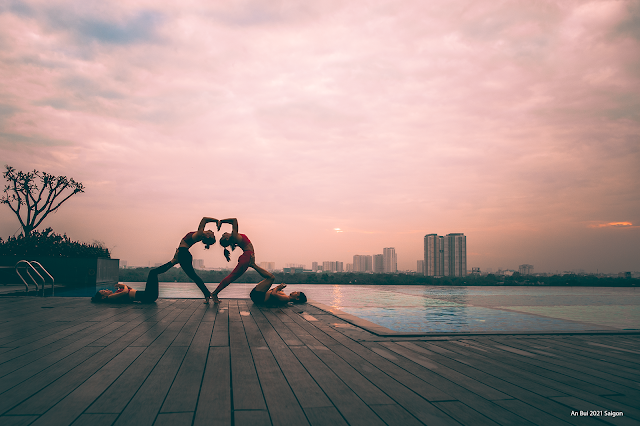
<point x="337" y="297"/>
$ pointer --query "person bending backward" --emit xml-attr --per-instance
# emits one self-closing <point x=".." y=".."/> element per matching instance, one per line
<point x="182" y="256"/>
<point x="246" y="260"/>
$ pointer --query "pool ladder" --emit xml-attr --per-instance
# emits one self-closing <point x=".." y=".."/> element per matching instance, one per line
<point x="32" y="267"/>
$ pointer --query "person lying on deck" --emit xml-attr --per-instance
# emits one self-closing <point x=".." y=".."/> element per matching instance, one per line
<point x="126" y="294"/>
<point x="263" y="294"/>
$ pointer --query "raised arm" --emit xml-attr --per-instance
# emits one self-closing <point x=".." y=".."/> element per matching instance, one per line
<point x="232" y="221"/>
<point x="206" y="220"/>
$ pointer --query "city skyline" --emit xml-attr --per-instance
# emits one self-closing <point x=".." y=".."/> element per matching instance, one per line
<point x="333" y="128"/>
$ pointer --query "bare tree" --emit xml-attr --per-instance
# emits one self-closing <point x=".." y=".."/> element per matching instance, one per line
<point x="32" y="196"/>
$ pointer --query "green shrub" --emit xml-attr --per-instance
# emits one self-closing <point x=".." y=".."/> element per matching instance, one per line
<point x="49" y="244"/>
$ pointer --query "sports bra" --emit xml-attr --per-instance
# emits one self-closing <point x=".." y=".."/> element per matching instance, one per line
<point x="189" y="238"/>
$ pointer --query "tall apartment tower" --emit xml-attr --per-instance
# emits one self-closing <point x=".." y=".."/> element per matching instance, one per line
<point x="433" y="255"/>
<point x="455" y="255"/>
<point x="362" y="263"/>
<point x="378" y="263"/>
<point x="390" y="260"/>
<point x="445" y="256"/>
<point x="420" y="267"/>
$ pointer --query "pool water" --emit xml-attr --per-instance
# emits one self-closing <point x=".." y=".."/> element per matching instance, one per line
<point x="424" y="309"/>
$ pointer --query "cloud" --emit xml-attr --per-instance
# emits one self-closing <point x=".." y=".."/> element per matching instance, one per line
<point x="612" y="225"/>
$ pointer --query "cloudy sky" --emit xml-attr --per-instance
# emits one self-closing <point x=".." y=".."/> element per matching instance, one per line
<point x="514" y="122"/>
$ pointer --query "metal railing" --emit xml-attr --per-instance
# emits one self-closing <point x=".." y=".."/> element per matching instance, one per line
<point x="30" y="269"/>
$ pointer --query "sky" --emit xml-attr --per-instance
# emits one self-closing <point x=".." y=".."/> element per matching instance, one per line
<point x="333" y="128"/>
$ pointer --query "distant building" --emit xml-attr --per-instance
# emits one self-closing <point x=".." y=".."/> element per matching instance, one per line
<point x="445" y="256"/>
<point x="314" y="266"/>
<point x="348" y="267"/>
<point x="123" y="264"/>
<point x="378" y="264"/>
<point x="294" y="265"/>
<point x="433" y="255"/>
<point x="362" y="263"/>
<point x="339" y="266"/>
<point x="420" y="267"/>
<point x="525" y="269"/>
<point x="198" y="263"/>
<point x="390" y="260"/>
<point x="329" y="266"/>
<point x="476" y="271"/>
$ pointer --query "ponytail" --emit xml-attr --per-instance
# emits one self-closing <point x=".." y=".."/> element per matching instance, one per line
<point x="227" y="255"/>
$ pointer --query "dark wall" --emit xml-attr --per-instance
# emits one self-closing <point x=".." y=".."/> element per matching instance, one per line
<point x="72" y="272"/>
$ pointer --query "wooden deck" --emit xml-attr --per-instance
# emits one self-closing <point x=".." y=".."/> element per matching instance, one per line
<point x="64" y="361"/>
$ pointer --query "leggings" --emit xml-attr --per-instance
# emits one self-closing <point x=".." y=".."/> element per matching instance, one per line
<point x="150" y="292"/>
<point x="186" y="263"/>
<point x="244" y="262"/>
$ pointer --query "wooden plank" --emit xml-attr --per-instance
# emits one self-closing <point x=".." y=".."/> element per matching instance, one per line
<point x="74" y="404"/>
<point x="368" y="392"/>
<point x="214" y="401"/>
<point x="510" y="369"/>
<point x="285" y="333"/>
<point x="220" y="336"/>
<point x="65" y="347"/>
<point x="174" y="419"/>
<point x="496" y="376"/>
<point x="152" y="393"/>
<point x="251" y="418"/>
<point x="31" y="386"/>
<point x="95" y="420"/>
<point x="183" y="394"/>
<point x="464" y="414"/>
<point x="47" y="397"/>
<point x="29" y="344"/>
<point x="314" y="331"/>
<point x="584" y="357"/>
<point x="586" y="378"/>
<point x="247" y="394"/>
<point x="17" y="420"/>
<point x="283" y="407"/>
<point x="307" y="391"/>
<point x="458" y="390"/>
<point x="324" y="416"/>
<point x="352" y="408"/>
<point x="533" y="414"/>
<point x="402" y="395"/>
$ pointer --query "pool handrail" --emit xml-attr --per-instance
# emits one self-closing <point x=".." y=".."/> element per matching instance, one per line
<point x="39" y="265"/>
<point x="26" y="265"/>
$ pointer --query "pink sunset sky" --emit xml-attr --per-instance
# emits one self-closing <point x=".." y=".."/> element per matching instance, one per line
<point x="516" y="123"/>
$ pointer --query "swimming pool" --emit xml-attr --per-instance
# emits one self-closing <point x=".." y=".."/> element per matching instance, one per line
<point x="431" y="309"/>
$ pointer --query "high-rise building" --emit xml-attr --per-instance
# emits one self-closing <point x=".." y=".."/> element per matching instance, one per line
<point x="339" y="266"/>
<point x="314" y="266"/>
<point x="198" y="263"/>
<point x="348" y="267"/>
<point x="445" y="256"/>
<point x="362" y="263"/>
<point x="420" y="267"/>
<point x="525" y="269"/>
<point x="433" y="255"/>
<point x="378" y="264"/>
<point x="455" y="255"/>
<point x="390" y="261"/>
